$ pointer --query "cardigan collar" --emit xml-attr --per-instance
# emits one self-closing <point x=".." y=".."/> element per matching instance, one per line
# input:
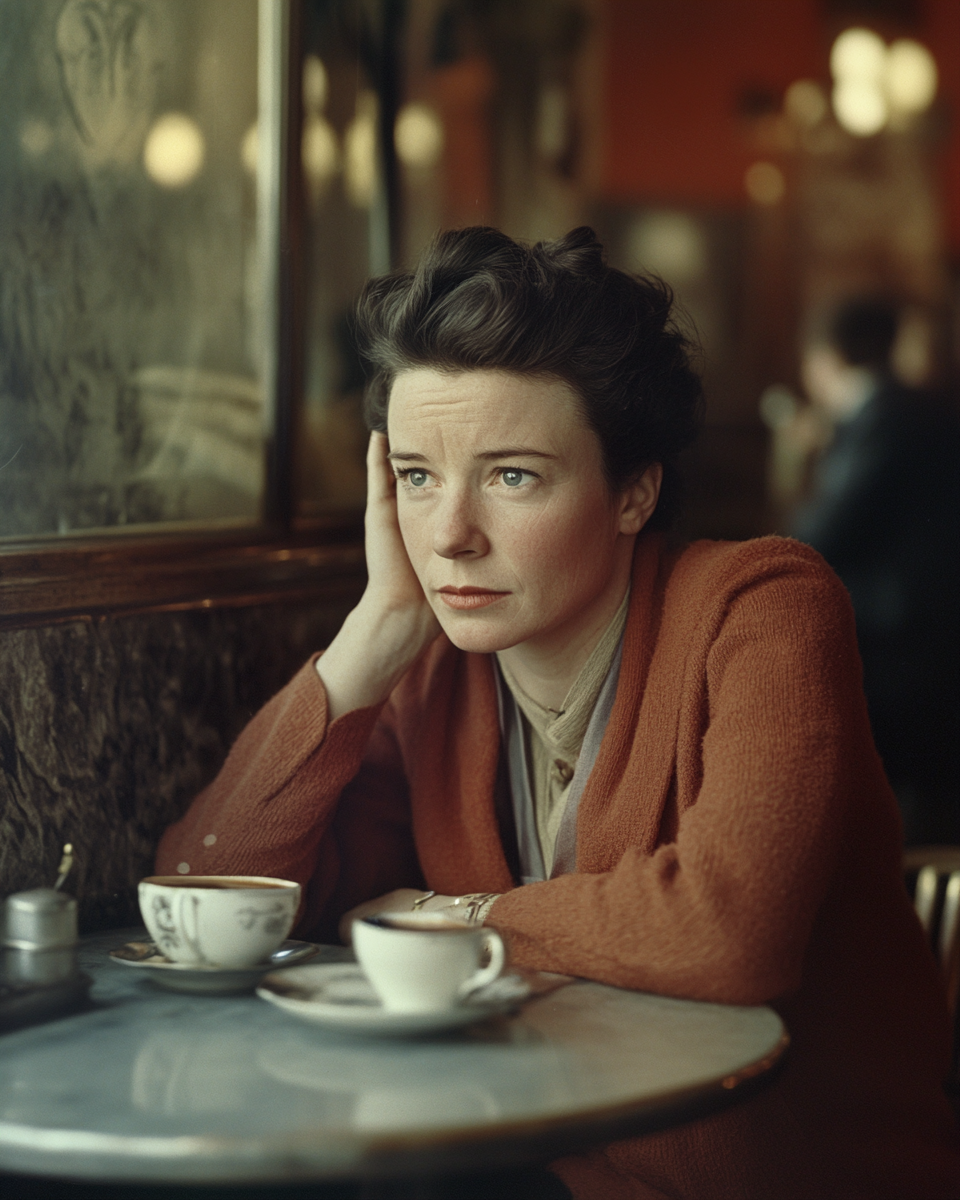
<point x="463" y="819"/>
<point x="631" y="725"/>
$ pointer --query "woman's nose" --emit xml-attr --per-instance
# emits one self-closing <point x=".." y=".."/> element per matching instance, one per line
<point x="457" y="531"/>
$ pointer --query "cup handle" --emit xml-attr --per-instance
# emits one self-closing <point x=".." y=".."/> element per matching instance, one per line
<point x="498" y="957"/>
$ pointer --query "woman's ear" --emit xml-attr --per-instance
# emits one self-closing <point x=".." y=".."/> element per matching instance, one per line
<point x="639" y="499"/>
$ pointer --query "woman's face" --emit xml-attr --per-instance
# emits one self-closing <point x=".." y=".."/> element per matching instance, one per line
<point x="504" y="509"/>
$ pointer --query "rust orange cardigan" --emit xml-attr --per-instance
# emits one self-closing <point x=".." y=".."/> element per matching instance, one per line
<point x="736" y="842"/>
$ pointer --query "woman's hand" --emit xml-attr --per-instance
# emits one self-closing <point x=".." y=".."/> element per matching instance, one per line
<point x="392" y="583"/>
<point x="400" y="900"/>
<point x="393" y="623"/>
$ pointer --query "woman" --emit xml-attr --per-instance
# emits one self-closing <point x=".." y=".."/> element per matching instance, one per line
<point x="644" y="765"/>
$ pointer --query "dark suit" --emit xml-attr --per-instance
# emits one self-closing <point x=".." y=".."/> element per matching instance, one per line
<point x="885" y="513"/>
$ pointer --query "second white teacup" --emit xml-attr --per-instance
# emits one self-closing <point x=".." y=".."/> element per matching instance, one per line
<point x="422" y="962"/>
<point x="218" y="920"/>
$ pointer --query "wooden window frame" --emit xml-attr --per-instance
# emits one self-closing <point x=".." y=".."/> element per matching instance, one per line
<point x="115" y="572"/>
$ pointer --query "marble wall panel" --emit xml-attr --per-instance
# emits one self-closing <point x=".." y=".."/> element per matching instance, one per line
<point x="109" y="728"/>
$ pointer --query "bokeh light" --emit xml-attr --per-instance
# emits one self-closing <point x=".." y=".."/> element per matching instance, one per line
<point x="873" y="82"/>
<point x="320" y="154"/>
<point x="418" y="135"/>
<point x="765" y="183"/>
<point x="860" y="106"/>
<point x="319" y="148"/>
<point x="360" y="152"/>
<point x="911" y="76"/>
<point x="315" y="84"/>
<point x="671" y="244"/>
<point x="250" y="149"/>
<point x="858" y="54"/>
<point x="805" y="103"/>
<point x="174" y="150"/>
<point x="858" y="62"/>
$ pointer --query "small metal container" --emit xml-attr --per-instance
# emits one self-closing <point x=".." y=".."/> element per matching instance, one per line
<point x="39" y="978"/>
<point x="39" y="968"/>
<point x="41" y="919"/>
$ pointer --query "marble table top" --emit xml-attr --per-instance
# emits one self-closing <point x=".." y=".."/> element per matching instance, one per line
<point x="154" y="1086"/>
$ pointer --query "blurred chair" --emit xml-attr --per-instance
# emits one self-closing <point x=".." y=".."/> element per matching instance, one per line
<point x="934" y="872"/>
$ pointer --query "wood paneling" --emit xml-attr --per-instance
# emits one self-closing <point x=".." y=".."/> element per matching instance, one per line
<point x="110" y="727"/>
<point x="55" y="582"/>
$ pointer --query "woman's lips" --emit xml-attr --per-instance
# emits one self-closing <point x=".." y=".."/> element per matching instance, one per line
<point x="469" y="597"/>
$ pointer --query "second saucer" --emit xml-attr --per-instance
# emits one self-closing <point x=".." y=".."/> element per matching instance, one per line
<point x="340" y="996"/>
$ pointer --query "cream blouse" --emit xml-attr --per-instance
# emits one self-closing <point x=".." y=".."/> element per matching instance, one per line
<point x="554" y="736"/>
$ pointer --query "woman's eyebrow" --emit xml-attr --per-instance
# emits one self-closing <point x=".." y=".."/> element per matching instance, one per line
<point x="484" y="455"/>
<point x="514" y="452"/>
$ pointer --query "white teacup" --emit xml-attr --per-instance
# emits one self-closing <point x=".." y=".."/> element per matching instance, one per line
<point x="423" y="962"/>
<point x="218" y="920"/>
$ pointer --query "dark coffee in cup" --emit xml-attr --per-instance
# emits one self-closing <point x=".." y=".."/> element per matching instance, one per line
<point x="218" y="920"/>
<point x="425" y="974"/>
<point x="426" y="923"/>
<point x="211" y="882"/>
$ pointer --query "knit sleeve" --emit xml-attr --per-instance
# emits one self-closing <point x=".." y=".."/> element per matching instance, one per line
<point x="724" y="910"/>
<point x="284" y="805"/>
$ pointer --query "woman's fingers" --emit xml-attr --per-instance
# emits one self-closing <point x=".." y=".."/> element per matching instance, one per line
<point x="388" y="566"/>
<point x="393" y="623"/>
<point x="381" y="492"/>
<point x="381" y="484"/>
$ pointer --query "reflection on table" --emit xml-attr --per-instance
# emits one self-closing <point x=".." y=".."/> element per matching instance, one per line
<point x="154" y="1086"/>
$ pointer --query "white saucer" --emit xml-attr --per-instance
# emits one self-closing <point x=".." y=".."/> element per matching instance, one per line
<point x="340" y="996"/>
<point x="192" y="977"/>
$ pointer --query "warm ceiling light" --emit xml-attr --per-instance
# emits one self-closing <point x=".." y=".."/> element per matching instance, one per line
<point x="669" y="243"/>
<point x="174" y="150"/>
<point x="765" y="183"/>
<point x="360" y="152"/>
<point x="858" y="54"/>
<point x="418" y="135"/>
<point x="250" y="149"/>
<point x="315" y="85"/>
<point x="860" y="107"/>
<point x="805" y="103"/>
<point x="911" y="76"/>
<point x="320" y="154"/>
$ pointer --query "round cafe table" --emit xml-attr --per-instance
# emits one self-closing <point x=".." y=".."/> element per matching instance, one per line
<point x="151" y="1087"/>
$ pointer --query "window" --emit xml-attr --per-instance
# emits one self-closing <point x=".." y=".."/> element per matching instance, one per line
<point x="134" y="265"/>
<point x="156" y="175"/>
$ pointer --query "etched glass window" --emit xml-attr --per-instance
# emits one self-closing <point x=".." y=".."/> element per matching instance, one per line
<point x="131" y="309"/>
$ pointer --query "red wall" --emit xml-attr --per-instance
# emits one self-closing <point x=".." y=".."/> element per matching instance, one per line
<point x="941" y="34"/>
<point x="675" y="70"/>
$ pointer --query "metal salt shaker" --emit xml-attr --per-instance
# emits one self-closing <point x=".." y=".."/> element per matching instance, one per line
<point x="40" y="936"/>
<point x="39" y="977"/>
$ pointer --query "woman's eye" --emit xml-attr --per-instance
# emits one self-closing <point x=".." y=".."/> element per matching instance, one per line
<point x="417" y="479"/>
<point x="513" y="477"/>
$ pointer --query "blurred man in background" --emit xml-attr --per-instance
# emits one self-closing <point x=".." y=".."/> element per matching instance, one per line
<point x="885" y="513"/>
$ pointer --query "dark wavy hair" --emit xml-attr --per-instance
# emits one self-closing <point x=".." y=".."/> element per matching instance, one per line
<point x="479" y="300"/>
